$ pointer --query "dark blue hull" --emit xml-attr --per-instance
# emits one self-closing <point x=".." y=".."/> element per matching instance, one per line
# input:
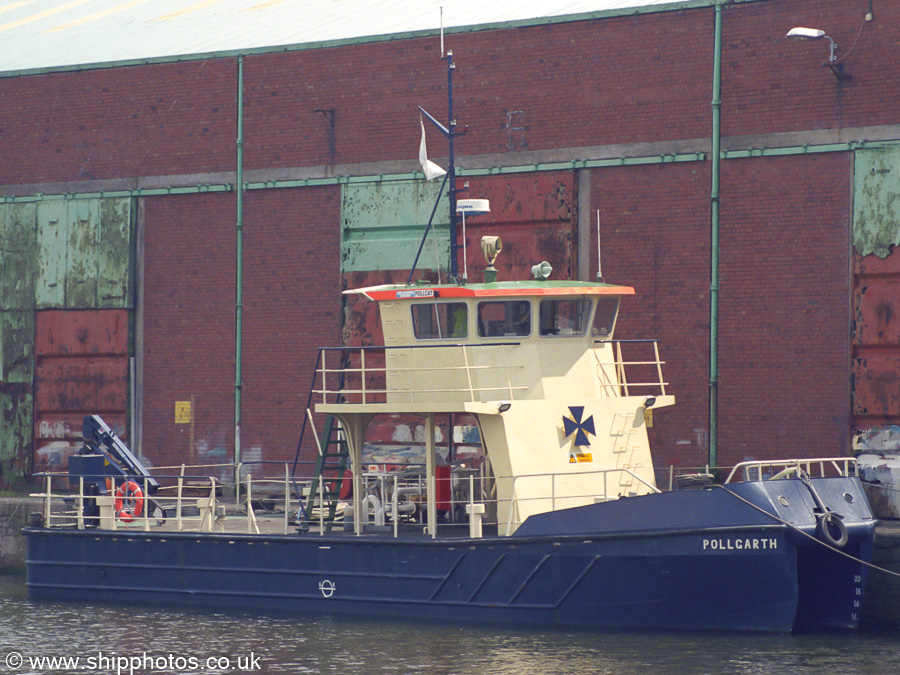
<point x="754" y="574"/>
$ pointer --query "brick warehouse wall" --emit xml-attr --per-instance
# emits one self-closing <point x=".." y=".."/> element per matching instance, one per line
<point x="119" y="123"/>
<point x="784" y="307"/>
<point x="621" y="80"/>
<point x="584" y="83"/>
<point x="291" y="306"/>
<point x="654" y="233"/>
<point x="188" y="307"/>
<point x="783" y="299"/>
<point x="772" y="84"/>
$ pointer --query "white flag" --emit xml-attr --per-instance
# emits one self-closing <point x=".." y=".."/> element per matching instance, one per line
<point x="429" y="168"/>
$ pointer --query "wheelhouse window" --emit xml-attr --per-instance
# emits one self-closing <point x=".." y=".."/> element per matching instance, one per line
<point x="565" y="317"/>
<point x="440" y="321"/>
<point x="605" y="317"/>
<point x="510" y="318"/>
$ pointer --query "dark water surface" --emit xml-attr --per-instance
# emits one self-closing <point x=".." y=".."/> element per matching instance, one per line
<point x="124" y="638"/>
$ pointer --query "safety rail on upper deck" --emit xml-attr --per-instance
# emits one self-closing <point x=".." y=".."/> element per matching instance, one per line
<point x="650" y="371"/>
<point x="467" y="372"/>
<point x="364" y="377"/>
<point x="787" y="468"/>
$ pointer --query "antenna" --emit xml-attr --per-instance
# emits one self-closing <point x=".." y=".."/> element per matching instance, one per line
<point x="451" y="171"/>
<point x="449" y="133"/>
<point x="599" y="267"/>
<point x="442" y="31"/>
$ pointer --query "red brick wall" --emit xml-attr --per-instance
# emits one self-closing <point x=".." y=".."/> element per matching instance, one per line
<point x="771" y="84"/>
<point x="654" y="236"/>
<point x="784" y="295"/>
<point x="291" y="304"/>
<point x="616" y="80"/>
<point x="784" y="386"/>
<point x="118" y="123"/>
<point x="585" y="83"/>
<point x="189" y="321"/>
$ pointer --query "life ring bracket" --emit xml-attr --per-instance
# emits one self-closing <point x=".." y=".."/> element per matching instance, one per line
<point x="129" y="501"/>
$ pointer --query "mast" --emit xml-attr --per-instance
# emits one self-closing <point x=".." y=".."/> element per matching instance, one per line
<point x="449" y="133"/>
<point x="451" y="171"/>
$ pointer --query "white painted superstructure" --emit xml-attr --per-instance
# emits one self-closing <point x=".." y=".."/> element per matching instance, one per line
<point x="561" y="415"/>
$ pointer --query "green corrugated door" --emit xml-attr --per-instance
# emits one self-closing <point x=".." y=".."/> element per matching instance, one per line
<point x="61" y="254"/>
<point x="383" y="224"/>
<point x="18" y="270"/>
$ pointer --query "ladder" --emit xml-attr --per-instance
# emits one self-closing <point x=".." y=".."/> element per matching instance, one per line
<point x="328" y="479"/>
<point x="331" y="463"/>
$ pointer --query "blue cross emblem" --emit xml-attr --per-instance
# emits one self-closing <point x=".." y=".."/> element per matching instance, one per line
<point x="577" y="427"/>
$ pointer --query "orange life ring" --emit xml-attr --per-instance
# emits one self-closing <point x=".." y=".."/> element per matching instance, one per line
<point x="129" y="501"/>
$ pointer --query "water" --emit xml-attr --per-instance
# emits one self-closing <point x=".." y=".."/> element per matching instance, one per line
<point x="126" y="639"/>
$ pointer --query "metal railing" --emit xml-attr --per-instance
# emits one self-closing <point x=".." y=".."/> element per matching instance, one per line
<point x="188" y="502"/>
<point x="599" y="496"/>
<point x="620" y="385"/>
<point x="788" y="468"/>
<point x="133" y="508"/>
<point x="366" y="379"/>
<point x="368" y="382"/>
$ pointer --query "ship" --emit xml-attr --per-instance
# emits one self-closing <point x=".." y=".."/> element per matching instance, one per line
<point x="559" y="522"/>
<point x="553" y="520"/>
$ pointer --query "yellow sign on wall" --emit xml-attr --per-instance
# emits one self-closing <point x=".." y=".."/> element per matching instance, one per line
<point x="184" y="412"/>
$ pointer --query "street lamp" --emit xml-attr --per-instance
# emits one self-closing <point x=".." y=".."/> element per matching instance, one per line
<point x="801" y="33"/>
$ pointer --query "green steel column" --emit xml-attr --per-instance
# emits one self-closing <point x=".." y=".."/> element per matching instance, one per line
<point x="239" y="226"/>
<point x="714" y="245"/>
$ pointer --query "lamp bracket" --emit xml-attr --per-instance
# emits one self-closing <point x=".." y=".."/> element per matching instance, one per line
<point x="837" y="70"/>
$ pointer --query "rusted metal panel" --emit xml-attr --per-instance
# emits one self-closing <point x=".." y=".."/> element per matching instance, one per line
<point x="81" y="368"/>
<point x="59" y="366"/>
<point x="82" y="333"/>
<point x="57" y="436"/>
<point x="89" y="385"/>
<point x="876" y="387"/>
<point x="535" y="216"/>
<point x="876" y="200"/>
<point x="877" y="304"/>
<point x="18" y="269"/>
<point x="16" y="346"/>
<point x="870" y="266"/>
<point x="875" y="370"/>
